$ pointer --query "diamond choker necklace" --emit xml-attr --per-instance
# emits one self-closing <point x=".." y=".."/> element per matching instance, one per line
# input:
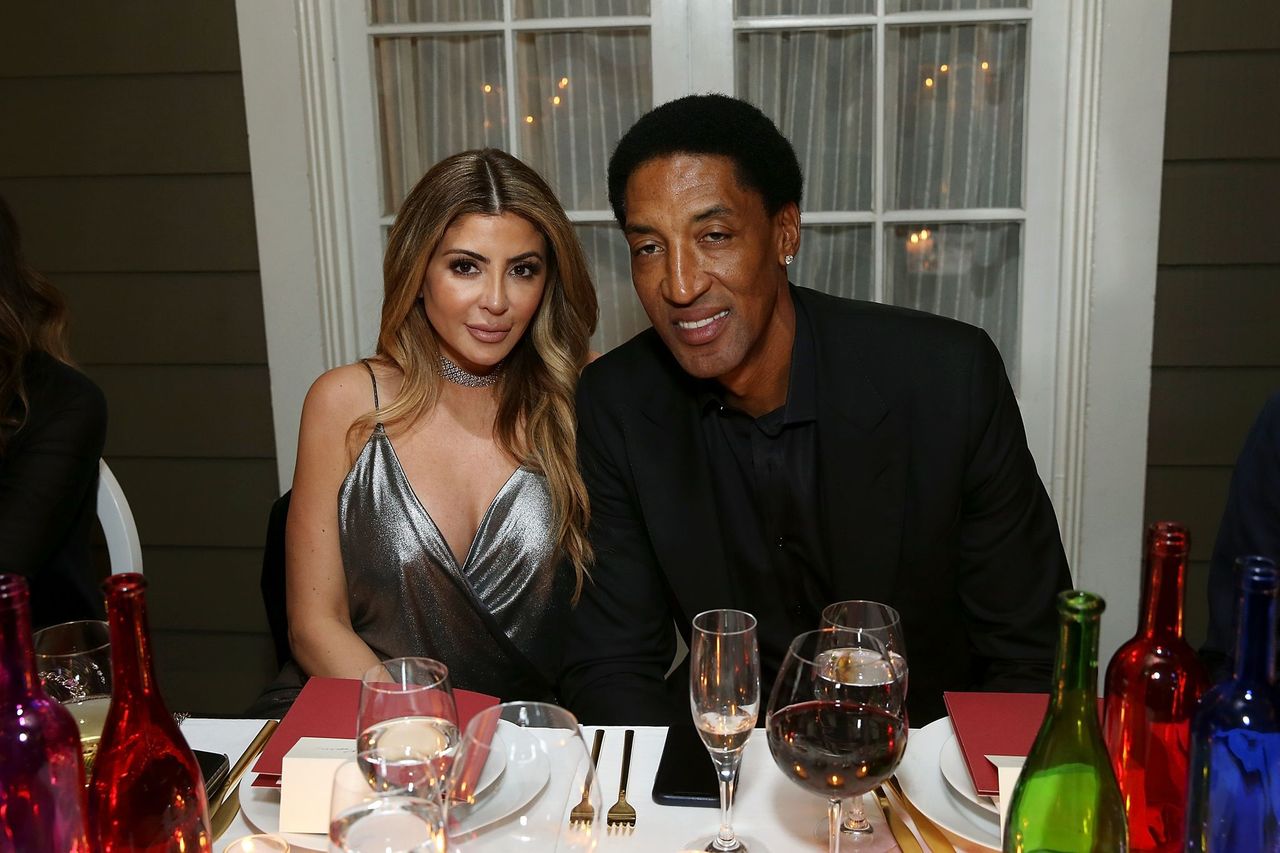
<point x="458" y="376"/>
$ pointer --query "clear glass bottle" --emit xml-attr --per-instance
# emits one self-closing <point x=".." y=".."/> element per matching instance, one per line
<point x="1153" y="684"/>
<point x="41" y="769"/>
<point x="147" y="795"/>
<point x="1067" y="799"/>
<point x="1235" y="736"/>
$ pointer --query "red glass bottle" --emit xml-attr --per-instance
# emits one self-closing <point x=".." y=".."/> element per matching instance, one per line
<point x="1153" y="684"/>
<point x="146" y="795"/>
<point x="41" y="769"/>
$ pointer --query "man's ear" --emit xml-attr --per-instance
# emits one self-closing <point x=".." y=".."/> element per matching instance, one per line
<point x="786" y="227"/>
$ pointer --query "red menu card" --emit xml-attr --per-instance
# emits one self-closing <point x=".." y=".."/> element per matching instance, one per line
<point x="994" y="724"/>
<point x="326" y="707"/>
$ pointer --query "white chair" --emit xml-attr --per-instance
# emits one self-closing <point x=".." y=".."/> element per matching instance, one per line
<point x="124" y="549"/>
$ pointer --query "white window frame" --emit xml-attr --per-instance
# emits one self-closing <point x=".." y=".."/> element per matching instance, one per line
<point x="1093" y="179"/>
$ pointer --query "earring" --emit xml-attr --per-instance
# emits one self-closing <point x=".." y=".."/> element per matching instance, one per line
<point x="788" y="259"/>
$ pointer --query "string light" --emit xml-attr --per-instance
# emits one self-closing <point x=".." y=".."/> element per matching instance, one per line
<point x="915" y="238"/>
<point x="564" y="83"/>
<point x="924" y="233"/>
<point x="528" y="119"/>
<point x="487" y="88"/>
<point x="985" y="65"/>
<point x="944" y="68"/>
<point x="556" y="100"/>
<point x="928" y="82"/>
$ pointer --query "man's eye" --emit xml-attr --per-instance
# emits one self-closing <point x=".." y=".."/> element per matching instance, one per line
<point x="716" y="237"/>
<point x="646" y="249"/>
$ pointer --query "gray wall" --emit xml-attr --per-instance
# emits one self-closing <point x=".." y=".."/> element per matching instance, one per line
<point x="1216" y="355"/>
<point x="125" y="157"/>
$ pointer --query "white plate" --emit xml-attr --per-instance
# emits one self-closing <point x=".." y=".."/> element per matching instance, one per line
<point x="527" y="772"/>
<point x="261" y="806"/>
<point x="956" y="772"/>
<point x="924" y="786"/>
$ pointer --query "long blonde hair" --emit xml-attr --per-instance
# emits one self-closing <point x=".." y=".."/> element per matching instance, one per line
<point x="535" y="423"/>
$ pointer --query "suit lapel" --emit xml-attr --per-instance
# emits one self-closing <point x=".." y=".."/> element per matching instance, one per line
<point x="862" y="452"/>
<point x="673" y="482"/>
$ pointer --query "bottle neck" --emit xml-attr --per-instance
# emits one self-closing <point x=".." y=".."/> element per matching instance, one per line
<point x="17" y="657"/>
<point x="1256" y="635"/>
<point x="1076" y="666"/>
<point x="132" y="670"/>
<point x="1162" y="593"/>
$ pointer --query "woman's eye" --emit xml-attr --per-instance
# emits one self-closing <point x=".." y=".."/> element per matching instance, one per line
<point x="464" y="267"/>
<point x="525" y="270"/>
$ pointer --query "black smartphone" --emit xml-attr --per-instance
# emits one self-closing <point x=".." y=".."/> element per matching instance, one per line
<point x="686" y="776"/>
<point x="214" y="767"/>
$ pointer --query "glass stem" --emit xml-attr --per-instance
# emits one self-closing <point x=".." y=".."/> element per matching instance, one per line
<point x="833" y="826"/>
<point x="855" y="818"/>
<point x="728" y="774"/>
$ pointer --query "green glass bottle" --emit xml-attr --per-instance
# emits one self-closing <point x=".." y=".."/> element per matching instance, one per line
<point x="1067" y="799"/>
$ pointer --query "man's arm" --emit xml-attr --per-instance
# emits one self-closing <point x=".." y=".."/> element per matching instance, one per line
<point x="621" y="640"/>
<point x="1012" y="561"/>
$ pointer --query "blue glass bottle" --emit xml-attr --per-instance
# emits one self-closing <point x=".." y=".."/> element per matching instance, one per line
<point x="1234" y="788"/>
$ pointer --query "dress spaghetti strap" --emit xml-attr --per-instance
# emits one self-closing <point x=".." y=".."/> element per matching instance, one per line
<point x="374" y="380"/>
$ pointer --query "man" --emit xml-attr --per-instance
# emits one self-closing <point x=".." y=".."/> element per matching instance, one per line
<point x="773" y="449"/>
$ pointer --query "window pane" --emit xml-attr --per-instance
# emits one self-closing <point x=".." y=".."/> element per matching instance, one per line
<point x="621" y="315"/>
<point x="432" y="102"/>
<point x="752" y="8"/>
<point x="579" y="8"/>
<point x="578" y="92"/>
<point x="819" y="87"/>
<point x="433" y="11"/>
<point x="955" y="112"/>
<point x="967" y="271"/>
<point x="892" y="6"/>
<point x="835" y="259"/>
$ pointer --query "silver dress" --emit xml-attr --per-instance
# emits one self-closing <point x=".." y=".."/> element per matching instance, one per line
<point x="497" y="619"/>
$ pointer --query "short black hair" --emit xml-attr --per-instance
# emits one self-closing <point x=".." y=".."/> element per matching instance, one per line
<point x="716" y="125"/>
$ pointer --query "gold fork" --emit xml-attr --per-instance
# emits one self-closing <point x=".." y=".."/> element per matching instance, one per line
<point x="584" y="814"/>
<point x="621" y="813"/>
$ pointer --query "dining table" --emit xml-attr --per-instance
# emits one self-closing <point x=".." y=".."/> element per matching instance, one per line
<point x="771" y="814"/>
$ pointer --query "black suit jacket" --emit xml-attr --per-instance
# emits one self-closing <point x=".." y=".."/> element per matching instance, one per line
<point x="929" y="501"/>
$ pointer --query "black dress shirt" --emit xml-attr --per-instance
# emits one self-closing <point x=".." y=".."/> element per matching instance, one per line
<point x="764" y="474"/>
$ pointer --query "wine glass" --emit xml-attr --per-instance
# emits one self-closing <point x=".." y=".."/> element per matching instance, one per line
<point x="724" y="695"/>
<point x="544" y="771"/>
<point x="407" y="724"/>
<point x="882" y="622"/>
<point x="830" y="730"/>
<point x="368" y="813"/>
<point x="74" y="663"/>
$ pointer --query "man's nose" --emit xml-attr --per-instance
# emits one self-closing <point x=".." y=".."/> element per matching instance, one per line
<point x="685" y="280"/>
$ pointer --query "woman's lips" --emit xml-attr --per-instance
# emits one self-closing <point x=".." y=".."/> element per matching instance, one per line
<point x="488" y="336"/>
<point x="702" y="330"/>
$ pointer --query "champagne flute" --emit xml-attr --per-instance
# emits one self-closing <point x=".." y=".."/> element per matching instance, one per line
<point x="882" y="622"/>
<point x="546" y="772"/>
<point x="371" y="814"/>
<point x="831" y="733"/>
<point x="74" y="663"/>
<point x="407" y="724"/>
<point x="724" y="695"/>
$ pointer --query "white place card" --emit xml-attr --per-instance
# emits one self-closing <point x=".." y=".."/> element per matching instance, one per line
<point x="307" y="782"/>
<point x="1008" y="769"/>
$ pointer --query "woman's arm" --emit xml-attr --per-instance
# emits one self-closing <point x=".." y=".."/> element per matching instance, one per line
<point x="320" y="632"/>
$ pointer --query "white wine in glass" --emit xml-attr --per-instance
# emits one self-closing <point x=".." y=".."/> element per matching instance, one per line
<point x="724" y="696"/>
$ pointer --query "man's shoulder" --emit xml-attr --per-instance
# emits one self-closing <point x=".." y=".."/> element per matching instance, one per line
<point x="640" y="363"/>
<point x="887" y="329"/>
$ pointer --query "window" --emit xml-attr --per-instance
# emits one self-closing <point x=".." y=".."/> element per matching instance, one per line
<point x="911" y="119"/>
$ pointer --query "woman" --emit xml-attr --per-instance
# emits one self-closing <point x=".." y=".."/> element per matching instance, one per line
<point x="437" y="507"/>
<point x="53" y="423"/>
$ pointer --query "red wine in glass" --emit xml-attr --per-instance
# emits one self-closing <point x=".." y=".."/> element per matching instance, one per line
<point x="834" y="748"/>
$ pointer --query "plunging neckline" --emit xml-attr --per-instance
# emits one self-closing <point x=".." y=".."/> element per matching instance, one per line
<point x="484" y="519"/>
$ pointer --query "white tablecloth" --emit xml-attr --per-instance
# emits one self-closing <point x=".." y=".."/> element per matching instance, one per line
<point x="771" y="814"/>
